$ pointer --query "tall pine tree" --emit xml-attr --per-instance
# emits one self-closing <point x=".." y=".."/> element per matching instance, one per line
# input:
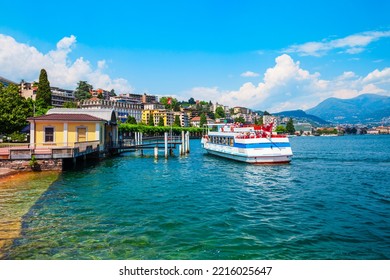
<point x="203" y="120"/>
<point x="290" y="129"/>
<point x="44" y="91"/>
<point x="150" y="120"/>
<point x="177" y="121"/>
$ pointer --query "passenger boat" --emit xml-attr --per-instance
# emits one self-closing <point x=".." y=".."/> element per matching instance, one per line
<point x="251" y="144"/>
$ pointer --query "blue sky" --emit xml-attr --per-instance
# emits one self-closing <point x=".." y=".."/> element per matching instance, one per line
<point x="267" y="55"/>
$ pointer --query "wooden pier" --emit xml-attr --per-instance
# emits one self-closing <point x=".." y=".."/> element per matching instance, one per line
<point x="20" y="156"/>
<point x="167" y="143"/>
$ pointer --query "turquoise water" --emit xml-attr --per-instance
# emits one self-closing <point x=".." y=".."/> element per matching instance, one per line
<point x="331" y="202"/>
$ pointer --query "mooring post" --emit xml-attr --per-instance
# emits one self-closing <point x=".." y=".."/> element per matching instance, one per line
<point x="156" y="152"/>
<point x="166" y="144"/>
<point x="188" y="142"/>
<point x="141" y="142"/>
<point x="182" y="143"/>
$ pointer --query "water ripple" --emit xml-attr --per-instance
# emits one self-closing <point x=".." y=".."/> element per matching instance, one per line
<point x="331" y="202"/>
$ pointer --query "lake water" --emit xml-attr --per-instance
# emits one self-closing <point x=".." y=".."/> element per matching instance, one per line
<point x="331" y="202"/>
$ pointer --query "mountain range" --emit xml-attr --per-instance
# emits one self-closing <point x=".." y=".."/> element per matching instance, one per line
<point x="302" y="116"/>
<point x="365" y="108"/>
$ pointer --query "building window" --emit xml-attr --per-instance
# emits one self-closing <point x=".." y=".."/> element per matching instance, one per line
<point x="49" y="134"/>
<point x="81" y="134"/>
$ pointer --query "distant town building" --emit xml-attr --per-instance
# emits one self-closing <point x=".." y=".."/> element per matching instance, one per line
<point x="154" y="106"/>
<point x="216" y="105"/>
<point x="196" y="121"/>
<point x="157" y="114"/>
<point x="383" y="129"/>
<point x="303" y="128"/>
<point x="28" y="90"/>
<point x="241" y="110"/>
<point x="372" y="131"/>
<point x="100" y="93"/>
<point x="122" y="109"/>
<point x="142" y="98"/>
<point x="60" y="96"/>
<point x="183" y="118"/>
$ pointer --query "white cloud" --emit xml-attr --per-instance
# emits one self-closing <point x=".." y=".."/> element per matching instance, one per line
<point x="352" y="44"/>
<point x="347" y="75"/>
<point x="378" y="76"/>
<point x="249" y="74"/>
<point x="21" y="61"/>
<point x="371" y="88"/>
<point x="287" y="86"/>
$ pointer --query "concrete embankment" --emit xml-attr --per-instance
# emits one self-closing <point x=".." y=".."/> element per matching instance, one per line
<point x="4" y="172"/>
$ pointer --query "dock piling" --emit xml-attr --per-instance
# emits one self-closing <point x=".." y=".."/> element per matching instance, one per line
<point x="188" y="142"/>
<point x="182" y="146"/>
<point x="156" y="152"/>
<point x="166" y="144"/>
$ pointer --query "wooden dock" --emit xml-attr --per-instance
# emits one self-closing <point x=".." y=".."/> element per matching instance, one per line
<point x="42" y="151"/>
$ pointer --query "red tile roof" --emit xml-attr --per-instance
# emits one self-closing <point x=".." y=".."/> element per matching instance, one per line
<point x="66" y="117"/>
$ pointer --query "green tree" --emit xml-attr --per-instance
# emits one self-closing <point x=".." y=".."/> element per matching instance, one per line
<point x="239" y="120"/>
<point x="70" y="104"/>
<point x="290" y="129"/>
<point x="44" y="91"/>
<point x="131" y="120"/>
<point x="191" y="101"/>
<point x="280" y="129"/>
<point x="100" y="95"/>
<point x="14" y="109"/>
<point x="161" y="121"/>
<point x="112" y="93"/>
<point x="174" y="104"/>
<point x="220" y="113"/>
<point x="83" y="90"/>
<point x="177" y="122"/>
<point x="203" y="120"/>
<point x="150" y="120"/>
<point x="259" y="121"/>
<point x="38" y="107"/>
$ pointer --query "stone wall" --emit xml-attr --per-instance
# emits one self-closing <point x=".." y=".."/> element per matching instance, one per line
<point x="24" y="165"/>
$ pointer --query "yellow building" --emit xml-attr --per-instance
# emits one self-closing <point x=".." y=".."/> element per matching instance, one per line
<point x="74" y="128"/>
<point x="156" y="114"/>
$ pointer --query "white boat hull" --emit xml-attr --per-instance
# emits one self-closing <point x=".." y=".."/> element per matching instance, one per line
<point x="270" y="155"/>
<point x="248" y="145"/>
<point x="276" y="159"/>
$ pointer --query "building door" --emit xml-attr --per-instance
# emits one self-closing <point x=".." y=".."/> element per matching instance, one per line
<point x="81" y="134"/>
